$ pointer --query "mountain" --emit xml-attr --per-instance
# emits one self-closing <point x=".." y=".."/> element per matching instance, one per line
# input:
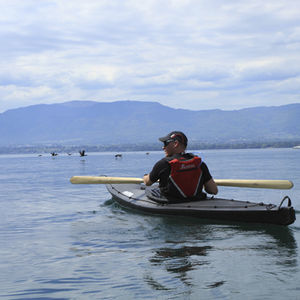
<point x="133" y="122"/>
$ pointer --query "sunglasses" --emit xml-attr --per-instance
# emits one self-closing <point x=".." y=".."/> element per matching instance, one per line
<point x="166" y="143"/>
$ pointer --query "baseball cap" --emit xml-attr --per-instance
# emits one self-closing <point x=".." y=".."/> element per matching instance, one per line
<point x="175" y="135"/>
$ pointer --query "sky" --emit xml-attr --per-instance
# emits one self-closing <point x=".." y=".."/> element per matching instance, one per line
<point x="197" y="54"/>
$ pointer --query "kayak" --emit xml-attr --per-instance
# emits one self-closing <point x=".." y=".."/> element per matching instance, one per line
<point x="149" y="200"/>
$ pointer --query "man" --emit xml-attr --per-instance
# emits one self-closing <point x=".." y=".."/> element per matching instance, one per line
<point x="181" y="175"/>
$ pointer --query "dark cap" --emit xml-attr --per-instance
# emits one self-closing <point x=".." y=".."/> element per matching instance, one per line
<point x="175" y="135"/>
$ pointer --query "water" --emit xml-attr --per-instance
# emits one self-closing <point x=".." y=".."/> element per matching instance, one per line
<point x="64" y="241"/>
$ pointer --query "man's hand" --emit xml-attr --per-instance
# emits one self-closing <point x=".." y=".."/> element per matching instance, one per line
<point x="211" y="187"/>
<point x="147" y="180"/>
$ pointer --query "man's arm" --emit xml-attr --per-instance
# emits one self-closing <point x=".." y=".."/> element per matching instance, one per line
<point x="211" y="187"/>
<point x="147" y="180"/>
<point x="155" y="174"/>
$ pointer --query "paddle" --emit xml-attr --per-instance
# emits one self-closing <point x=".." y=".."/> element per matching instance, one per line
<point x="249" y="183"/>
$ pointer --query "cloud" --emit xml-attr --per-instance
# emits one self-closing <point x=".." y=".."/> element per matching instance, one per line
<point x="271" y="69"/>
<point x="183" y="53"/>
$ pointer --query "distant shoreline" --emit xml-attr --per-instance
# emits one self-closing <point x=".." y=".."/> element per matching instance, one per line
<point x="32" y="149"/>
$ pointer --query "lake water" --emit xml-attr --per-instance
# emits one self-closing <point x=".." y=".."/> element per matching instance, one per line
<point x="64" y="241"/>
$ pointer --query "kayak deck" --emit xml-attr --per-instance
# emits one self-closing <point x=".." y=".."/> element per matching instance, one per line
<point x="136" y="196"/>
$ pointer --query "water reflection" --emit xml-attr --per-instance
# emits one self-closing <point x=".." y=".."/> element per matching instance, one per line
<point x="196" y="244"/>
<point x="181" y="256"/>
<point x="282" y="246"/>
<point x="283" y="236"/>
<point x="179" y="261"/>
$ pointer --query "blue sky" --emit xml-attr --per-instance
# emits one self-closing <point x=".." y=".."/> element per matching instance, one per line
<point x="184" y="54"/>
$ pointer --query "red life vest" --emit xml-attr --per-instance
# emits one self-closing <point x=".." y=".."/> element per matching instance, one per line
<point x="186" y="175"/>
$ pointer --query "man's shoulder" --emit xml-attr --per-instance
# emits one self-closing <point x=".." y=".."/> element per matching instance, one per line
<point x="190" y="155"/>
<point x="163" y="161"/>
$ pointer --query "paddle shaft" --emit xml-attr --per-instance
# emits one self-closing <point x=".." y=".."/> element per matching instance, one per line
<point x="248" y="183"/>
<point x="253" y="183"/>
<point x="104" y="180"/>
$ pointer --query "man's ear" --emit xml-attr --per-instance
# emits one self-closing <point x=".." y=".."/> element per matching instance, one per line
<point x="176" y="143"/>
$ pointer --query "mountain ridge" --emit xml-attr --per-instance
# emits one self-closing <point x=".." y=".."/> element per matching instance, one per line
<point x="136" y="122"/>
